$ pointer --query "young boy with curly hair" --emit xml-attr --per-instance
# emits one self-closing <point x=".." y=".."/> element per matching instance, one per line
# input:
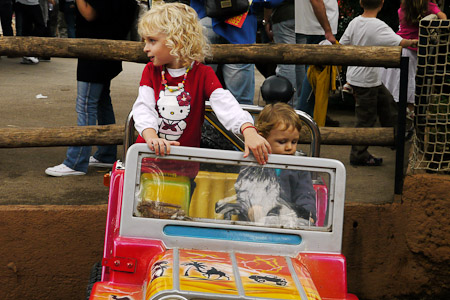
<point x="278" y="196"/>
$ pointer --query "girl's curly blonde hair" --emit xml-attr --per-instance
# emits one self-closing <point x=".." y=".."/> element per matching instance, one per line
<point x="180" y="24"/>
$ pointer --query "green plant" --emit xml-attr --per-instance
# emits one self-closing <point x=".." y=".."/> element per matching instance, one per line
<point x="348" y="10"/>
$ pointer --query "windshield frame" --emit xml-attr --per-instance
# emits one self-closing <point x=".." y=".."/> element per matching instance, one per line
<point x="327" y="239"/>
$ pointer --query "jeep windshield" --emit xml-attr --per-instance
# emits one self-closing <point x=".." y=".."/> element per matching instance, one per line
<point x="214" y="186"/>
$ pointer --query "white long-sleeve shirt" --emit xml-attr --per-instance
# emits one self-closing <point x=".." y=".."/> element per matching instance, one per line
<point x="171" y="117"/>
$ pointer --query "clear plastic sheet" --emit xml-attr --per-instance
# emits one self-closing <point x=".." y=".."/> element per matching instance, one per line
<point x="276" y="197"/>
<point x="225" y="193"/>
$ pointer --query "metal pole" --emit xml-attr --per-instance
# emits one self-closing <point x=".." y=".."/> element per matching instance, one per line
<point x="401" y="126"/>
<point x="129" y="138"/>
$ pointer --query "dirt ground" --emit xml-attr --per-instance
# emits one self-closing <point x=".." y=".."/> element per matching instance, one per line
<point x="401" y="250"/>
<point x="400" y="246"/>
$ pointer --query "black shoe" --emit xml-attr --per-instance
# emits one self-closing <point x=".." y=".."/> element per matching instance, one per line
<point x="331" y="123"/>
<point x="370" y="162"/>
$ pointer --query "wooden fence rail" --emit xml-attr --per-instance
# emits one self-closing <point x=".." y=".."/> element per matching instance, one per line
<point x="114" y="135"/>
<point x="133" y="52"/>
<point x="254" y="53"/>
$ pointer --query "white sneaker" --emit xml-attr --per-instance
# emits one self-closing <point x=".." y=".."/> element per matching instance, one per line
<point x="62" y="170"/>
<point x="93" y="162"/>
<point x="29" y="60"/>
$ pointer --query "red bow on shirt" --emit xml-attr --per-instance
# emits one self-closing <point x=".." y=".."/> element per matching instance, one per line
<point x="169" y="126"/>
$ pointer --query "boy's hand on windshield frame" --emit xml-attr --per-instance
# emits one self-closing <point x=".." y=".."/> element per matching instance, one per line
<point x="255" y="143"/>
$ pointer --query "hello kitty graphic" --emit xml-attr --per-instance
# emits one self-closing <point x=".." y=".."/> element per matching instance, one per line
<point x="173" y="108"/>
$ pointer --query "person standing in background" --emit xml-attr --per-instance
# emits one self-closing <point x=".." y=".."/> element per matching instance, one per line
<point x="409" y="14"/>
<point x="45" y="8"/>
<point x="315" y="21"/>
<point x="281" y="22"/>
<point x="97" y="19"/>
<point x="239" y="79"/>
<point x="372" y="99"/>
<point x="30" y="20"/>
<point x="6" y="12"/>
<point x="69" y="9"/>
<point x="52" y="23"/>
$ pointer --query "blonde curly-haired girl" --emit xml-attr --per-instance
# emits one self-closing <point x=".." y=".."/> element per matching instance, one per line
<point x="175" y="83"/>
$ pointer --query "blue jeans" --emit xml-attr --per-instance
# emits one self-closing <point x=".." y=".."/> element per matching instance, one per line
<point x="70" y="12"/>
<point x="307" y="99"/>
<point x="239" y="78"/>
<point x="284" y="33"/>
<point x="93" y="104"/>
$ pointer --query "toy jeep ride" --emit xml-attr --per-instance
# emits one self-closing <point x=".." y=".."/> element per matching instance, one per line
<point x="181" y="226"/>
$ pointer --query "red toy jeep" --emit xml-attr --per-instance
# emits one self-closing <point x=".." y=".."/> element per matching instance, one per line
<point x="179" y="227"/>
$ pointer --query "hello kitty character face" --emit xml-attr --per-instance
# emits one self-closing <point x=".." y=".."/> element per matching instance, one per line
<point x="174" y="106"/>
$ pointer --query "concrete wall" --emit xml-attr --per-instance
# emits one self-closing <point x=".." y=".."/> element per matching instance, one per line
<point x="394" y="251"/>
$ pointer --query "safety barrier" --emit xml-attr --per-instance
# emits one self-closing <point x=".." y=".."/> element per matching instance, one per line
<point x="255" y="53"/>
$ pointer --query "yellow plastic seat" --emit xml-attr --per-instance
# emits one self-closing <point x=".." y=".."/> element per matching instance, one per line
<point x="168" y="188"/>
<point x="210" y="188"/>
